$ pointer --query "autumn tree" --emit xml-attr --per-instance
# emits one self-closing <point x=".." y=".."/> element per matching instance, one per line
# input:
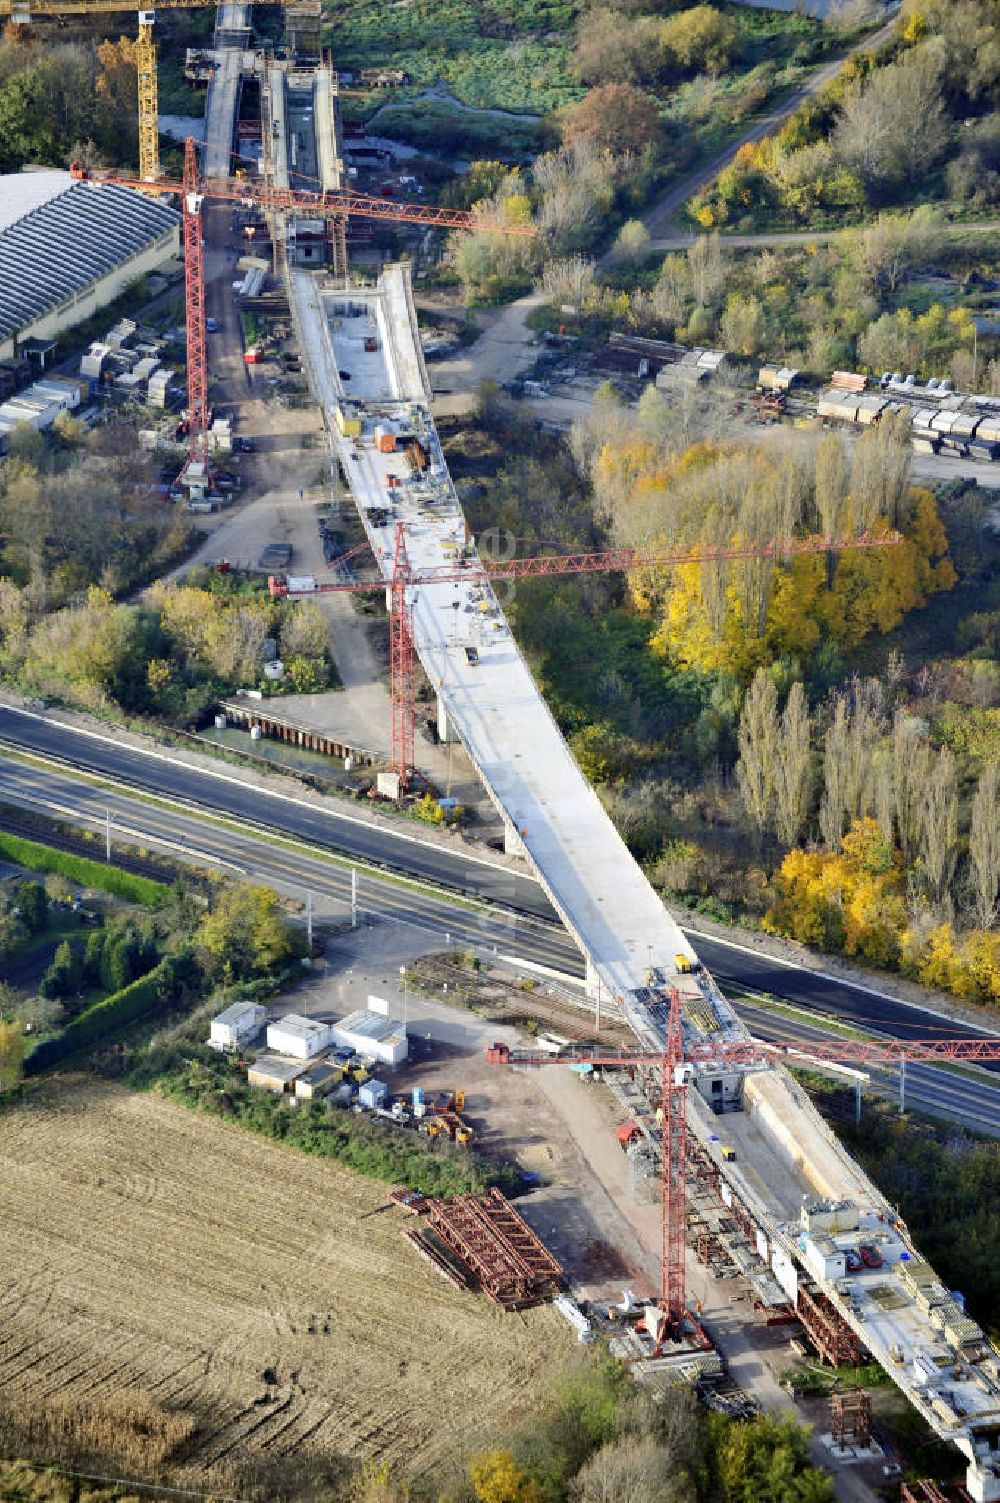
<point x="245" y="933"/>
<point x="880" y="471"/>
<point x="939" y="826"/>
<point x="707" y="269"/>
<point x="630" y="1469"/>
<point x="611" y="48"/>
<point x="793" y="775"/>
<point x="984" y="846"/>
<point x="910" y="771"/>
<point x="569" y="281"/>
<point x="757" y="738"/>
<point x="632" y="243"/>
<point x="496" y="1478"/>
<point x="742" y="325"/>
<point x="769" y="1459"/>
<point x="616" y="116"/>
<point x="853" y="732"/>
<point x="12" y="1051"/>
<point x="700" y="38"/>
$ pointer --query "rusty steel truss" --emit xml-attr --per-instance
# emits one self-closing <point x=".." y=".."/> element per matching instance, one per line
<point x="496" y="1246"/>
<point x="832" y="1337"/>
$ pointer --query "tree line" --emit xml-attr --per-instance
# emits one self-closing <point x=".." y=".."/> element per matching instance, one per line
<point x="893" y="846"/>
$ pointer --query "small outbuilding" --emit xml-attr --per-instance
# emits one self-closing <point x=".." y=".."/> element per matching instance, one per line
<point x="374" y="1093"/>
<point x="303" y="1038"/>
<point x="239" y="1023"/>
<point x="317" y="1081"/>
<point x="272" y="1073"/>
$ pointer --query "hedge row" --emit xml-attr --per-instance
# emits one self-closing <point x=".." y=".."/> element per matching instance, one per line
<point x="105" y="1017"/>
<point x="82" y="869"/>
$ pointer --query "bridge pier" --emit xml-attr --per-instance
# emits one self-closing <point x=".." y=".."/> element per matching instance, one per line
<point x="513" y="845"/>
<point x="982" y="1482"/>
<point x="443" y="725"/>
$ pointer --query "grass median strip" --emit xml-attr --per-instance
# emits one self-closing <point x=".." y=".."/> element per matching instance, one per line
<point x="242" y="827"/>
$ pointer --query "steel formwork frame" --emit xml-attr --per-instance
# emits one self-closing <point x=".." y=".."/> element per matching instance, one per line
<point x="402" y="659"/>
<point x="497" y="1246"/>
<point x="851" y="1417"/>
<point x="834" y="1339"/>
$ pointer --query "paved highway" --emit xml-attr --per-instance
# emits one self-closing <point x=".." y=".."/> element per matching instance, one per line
<point x="532" y="931"/>
<point x="959" y="1098"/>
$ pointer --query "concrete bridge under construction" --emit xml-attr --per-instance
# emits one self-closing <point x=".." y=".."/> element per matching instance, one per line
<point x="787" y="1178"/>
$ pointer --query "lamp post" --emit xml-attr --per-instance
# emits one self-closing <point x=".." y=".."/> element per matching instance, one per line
<point x="402" y="977"/>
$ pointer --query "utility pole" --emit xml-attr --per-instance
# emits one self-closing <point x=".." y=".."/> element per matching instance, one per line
<point x="354" y="897"/>
<point x="107" y="836"/>
<point x="902" y="1085"/>
<point x="597" y="1010"/>
<point x="309" y="920"/>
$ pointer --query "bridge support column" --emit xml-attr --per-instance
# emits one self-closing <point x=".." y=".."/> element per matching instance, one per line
<point x="513" y="845"/>
<point x="982" y="1483"/>
<point x="443" y="724"/>
<point x="594" y="988"/>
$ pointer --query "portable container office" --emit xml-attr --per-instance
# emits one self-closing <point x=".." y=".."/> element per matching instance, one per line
<point x="303" y="1038"/>
<point x="372" y="1035"/>
<point x="234" y="1026"/>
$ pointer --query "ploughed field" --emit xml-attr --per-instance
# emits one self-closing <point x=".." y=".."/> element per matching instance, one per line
<point x="236" y="1294"/>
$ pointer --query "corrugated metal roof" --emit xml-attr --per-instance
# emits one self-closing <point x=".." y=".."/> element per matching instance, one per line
<point x="61" y="246"/>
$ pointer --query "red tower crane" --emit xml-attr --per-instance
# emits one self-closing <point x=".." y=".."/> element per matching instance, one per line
<point x="671" y="1063"/>
<point x="403" y="581"/>
<point x="194" y="189"/>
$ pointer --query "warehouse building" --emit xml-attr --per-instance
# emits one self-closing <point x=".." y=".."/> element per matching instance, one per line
<point x="67" y="249"/>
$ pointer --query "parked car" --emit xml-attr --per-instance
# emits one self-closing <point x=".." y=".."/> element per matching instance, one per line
<point x="870" y="1255"/>
<point x="853" y="1260"/>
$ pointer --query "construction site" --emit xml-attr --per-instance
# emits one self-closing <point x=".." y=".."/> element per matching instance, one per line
<point x="750" y="1177"/>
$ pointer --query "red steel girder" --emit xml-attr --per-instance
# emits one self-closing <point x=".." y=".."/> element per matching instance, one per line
<point x="673" y="1173"/>
<point x="194" y="309"/>
<point x="623" y="560"/>
<point x="333" y="206"/>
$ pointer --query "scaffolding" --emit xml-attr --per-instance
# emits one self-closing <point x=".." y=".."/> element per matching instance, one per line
<point x="851" y="1418"/>
<point x="832" y="1337"/>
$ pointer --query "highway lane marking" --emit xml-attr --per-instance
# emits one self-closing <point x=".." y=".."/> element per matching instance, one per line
<point x="388" y="900"/>
<point x="222" y="777"/>
<point x="854" y="986"/>
<point x="402" y="836"/>
<point x="240" y="824"/>
<point x="95" y="819"/>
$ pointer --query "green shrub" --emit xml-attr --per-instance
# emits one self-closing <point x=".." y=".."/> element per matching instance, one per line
<point x="106" y="1017"/>
<point x="81" y="869"/>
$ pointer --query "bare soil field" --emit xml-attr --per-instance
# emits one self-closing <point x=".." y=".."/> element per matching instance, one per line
<point x="147" y="1251"/>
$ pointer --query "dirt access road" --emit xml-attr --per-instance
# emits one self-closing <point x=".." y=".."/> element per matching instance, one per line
<point x="507" y="346"/>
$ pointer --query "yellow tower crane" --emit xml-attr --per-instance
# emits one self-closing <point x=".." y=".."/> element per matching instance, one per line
<point x="23" y="12"/>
